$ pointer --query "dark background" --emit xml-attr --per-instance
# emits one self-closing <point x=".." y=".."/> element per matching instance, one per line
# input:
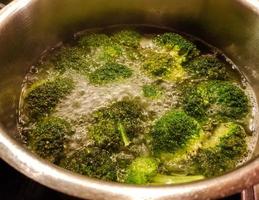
<point x="15" y="186"/>
<point x="5" y="1"/>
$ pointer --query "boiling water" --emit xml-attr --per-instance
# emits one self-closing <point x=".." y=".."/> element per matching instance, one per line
<point x="86" y="97"/>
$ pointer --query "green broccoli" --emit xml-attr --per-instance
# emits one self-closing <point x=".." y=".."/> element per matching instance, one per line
<point x="43" y="96"/>
<point x="48" y="138"/>
<point x="163" y="65"/>
<point x="175" y="131"/>
<point x="72" y="58"/>
<point x="207" y="66"/>
<point x="110" y="72"/>
<point x="109" y="53"/>
<point x="212" y="98"/>
<point x="116" y="125"/>
<point x="177" y="43"/>
<point x="141" y="170"/>
<point x="176" y="138"/>
<point x="144" y="170"/>
<point x="152" y="91"/>
<point x="175" y="179"/>
<point x="94" y="40"/>
<point x="127" y="38"/>
<point x="222" y="151"/>
<point x="92" y="162"/>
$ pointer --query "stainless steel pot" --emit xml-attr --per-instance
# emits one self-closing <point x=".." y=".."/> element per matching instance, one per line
<point x="28" y="27"/>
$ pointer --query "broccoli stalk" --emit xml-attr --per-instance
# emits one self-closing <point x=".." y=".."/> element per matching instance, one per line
<point x="144" y="170"/>
<point x="123" y="133"/>
<point x="166" y="179"/>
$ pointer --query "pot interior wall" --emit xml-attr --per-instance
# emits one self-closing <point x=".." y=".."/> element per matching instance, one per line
<point x="228" y="25"/>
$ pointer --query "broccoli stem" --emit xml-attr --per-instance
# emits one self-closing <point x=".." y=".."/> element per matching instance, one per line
<point x="123" y="133"/>
<point x="176" y="179"/>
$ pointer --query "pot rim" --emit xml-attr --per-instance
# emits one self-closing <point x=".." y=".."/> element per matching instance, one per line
<point x="80" y="186"/>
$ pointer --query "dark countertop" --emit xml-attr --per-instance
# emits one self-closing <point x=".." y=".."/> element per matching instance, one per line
<point x="15" y="186"/>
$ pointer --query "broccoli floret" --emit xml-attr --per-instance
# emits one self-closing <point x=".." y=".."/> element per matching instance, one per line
<point x="193" y="103"/>
<point x="122" y="159"/>
<point x="144" y="170"/>
<point x="152" y="91"/>
<point x="110" y="72"/>
<point x="141" y="170"/>
<point x="174" y="131"/>
<point x="116" y="125"/>
<point x="109" y="53"/>
<point x="43" y="96"/>
<point x="212" y="98"/>
<point x="127" y="38"/>
<point x="207" y="66"/>
<point x="158" y="64"/>
<point x="177" y="43"/>
<point x="163" y="65"/>
<point x="48" y="138"/>
<point x="106" y="50"/>
<point x="72" y="58"/>
<point x="92" y="162"/>
<point x="176" y="138"/>
<point x="94" y="40"/>
<point x="222" y="151"/>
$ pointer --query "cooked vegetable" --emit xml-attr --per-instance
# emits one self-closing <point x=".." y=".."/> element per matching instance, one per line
<point x="222" y="152"/>
<point x="110" y="72"/>
<point x="144" y="170"/>
<point x="207" y="67"/>
<point x="116" y="125"/>
<point x="212" y="98"/>
<point x="128" y="38"/>
<point x="109" y="53"/>
<point x="152" y="91"/>
<point x="174" y="131"/>
<point x="43" y="96"/>
<point x="146" y="109"/>
<point x="92" y="162"/>
<point x="72" y="58"/>
<point x="141" y="170"/>
<point x="48" y="138"/>
<point x="175" y="179"/>
<point x="163" y="66"/>
<point x="177" y="43"/>
<point x="94" y="40"/>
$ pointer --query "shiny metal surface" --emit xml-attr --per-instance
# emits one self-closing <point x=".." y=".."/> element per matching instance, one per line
<point x="28" y="27"/>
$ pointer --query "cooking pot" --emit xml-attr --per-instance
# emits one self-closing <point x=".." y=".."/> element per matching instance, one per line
<point x="29" y="27"/>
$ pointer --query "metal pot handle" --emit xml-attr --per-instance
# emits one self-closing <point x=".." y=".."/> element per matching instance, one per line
<point x="251" y="193"/>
